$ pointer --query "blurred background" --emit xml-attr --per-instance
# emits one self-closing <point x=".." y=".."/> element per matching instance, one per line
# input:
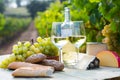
<point x="17" y="21"/>
<point x="23" y="20"/>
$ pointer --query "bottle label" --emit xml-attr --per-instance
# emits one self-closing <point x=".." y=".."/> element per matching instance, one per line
<point x="66" y="32"/>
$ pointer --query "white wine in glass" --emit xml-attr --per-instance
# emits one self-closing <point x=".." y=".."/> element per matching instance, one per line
<point x="57" y="38"/>
<point x="77" y="40"/>
<point x="78" y="37"/>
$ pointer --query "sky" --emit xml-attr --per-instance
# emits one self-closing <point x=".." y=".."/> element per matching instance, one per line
<point x="23" y="3"/>
<point x="14" y="5"/>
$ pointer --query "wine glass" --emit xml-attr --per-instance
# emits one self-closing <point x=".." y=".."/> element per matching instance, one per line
<point x="57" y="39"/>
<point x="78" y="37"/>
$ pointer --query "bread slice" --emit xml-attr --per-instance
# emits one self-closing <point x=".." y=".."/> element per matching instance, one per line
<point x="32" y="72"/>
<point x="36" y="58"/>
<point x="58" y="66"/>
<point x="16" y="65"/>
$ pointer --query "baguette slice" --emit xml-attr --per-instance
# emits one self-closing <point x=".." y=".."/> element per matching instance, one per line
<point x="58" y="66"/>
<point x="32" y="72"/>
<point x="36" y="58"/>
<point x="16" y="65"/>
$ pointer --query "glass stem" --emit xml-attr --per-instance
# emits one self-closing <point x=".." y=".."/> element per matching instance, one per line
<point x="77" y="50"/>
<point x="60" y="55"/>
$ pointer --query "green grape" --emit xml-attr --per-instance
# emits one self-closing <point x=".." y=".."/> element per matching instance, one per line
<point x="19" y="44"/>
<point x="20" y="50"/>
<point x="7" y="61"/>
<point x="41" y="48"/>
<point x="27" y="44"/>
<point x="48" y="42"/>
<point x="41" y="44"/>
<point x="2" y="65"/>
<point x="107" y="30"/>
<point x="12" y="58"/>
<point x="48" y="47"/>
<point x="32" y="48"/>
<point x="45" y="44"/>
<point x="15" y="46"/>
<point x="37" y="50"/>
<point x="24" y="55"/>
<point x="15" y="51"/>
<point x="20" y="58"/>
<point x="25" y="49"/>
<point x="29" y="53"/>
<point x="36" y="44"/>
<point x="46" y="51"/>
<point x="39" y="39"/>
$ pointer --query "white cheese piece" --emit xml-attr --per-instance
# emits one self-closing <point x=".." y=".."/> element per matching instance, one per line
<point x="84" y="61"/>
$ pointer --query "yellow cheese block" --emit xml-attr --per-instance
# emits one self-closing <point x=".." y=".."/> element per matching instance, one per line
<point x="109" y="58"/>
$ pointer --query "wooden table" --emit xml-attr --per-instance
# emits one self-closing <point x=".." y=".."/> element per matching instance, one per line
<point x="69" y="74"/>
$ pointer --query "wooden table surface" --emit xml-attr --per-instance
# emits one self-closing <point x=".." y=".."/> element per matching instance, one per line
<point x="69" y="74"/>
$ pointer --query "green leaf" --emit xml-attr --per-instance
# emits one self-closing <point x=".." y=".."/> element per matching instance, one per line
<point x="93" y="19"/>
<point x="94" y="1"/>
<point x="113" y="26"/>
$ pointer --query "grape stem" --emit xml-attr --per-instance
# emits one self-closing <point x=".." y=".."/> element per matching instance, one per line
<point x="32" y="41"/>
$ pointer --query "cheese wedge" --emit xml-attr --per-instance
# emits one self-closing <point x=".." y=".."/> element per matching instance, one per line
<point x="87" y="62"/>
<point x="109" y="58"/>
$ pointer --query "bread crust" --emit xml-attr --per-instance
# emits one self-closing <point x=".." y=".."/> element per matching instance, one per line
<point x="35" y="58"/>
<point x="16" y="65"/>
<point x="32" y="72"/>
<point x="58" y="66"/>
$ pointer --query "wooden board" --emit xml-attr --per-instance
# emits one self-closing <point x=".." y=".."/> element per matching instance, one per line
<point x="69" y="74"/>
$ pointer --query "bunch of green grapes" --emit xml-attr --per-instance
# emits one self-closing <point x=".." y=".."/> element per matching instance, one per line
<point x="7" y="61"/>
<point x="44" y="46"/>
<point x="112" y="39"/>
<point x="107" y="32"/>
<point x="20" y="52"/>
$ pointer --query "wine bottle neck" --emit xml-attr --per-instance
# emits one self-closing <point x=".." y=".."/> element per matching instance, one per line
<point x="67" y="14"/>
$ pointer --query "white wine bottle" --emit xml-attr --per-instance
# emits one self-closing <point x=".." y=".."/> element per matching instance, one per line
<point x="66" y="27"/>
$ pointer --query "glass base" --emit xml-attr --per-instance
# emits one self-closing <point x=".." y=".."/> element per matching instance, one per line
<point x="71" y="65"/>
